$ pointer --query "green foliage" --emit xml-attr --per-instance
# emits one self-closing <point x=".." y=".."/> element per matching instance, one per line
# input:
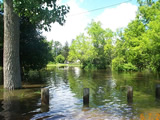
<point x="136" y="44"/>
<point x="129" y="67"/>
<point x="154" y="36"/>
<point x="139" y="42"/>
<point x="60" y="59"/>
<point x="41" y="10"/>
<point x="117" y="64"/>
<point x="1" y="6"/>
<point x="82" y="50"/>
<point x="42" y="13"/>
<point x="37" y="92"/>
<point x="150" y="15"/>
<point x="88" y="66"/>
<point x="56" y="49"/>
<point x="35" y="51"/>
<point x="51" y="65"/>
<point x="133" y="48"/>
<point x="94" y="50"/>
<point x="65" y="51"/>
<point x="102" y="43"/>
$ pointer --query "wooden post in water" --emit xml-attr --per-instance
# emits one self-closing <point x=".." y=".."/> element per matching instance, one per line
<point x="45" y="96"/>
<point x="86" y="97"/>
<point x="44" y="108"/>
<point x="158" y="91"/>
<point x="130" y="94"/>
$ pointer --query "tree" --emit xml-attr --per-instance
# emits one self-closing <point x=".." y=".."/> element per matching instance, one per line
<point x="82" y="49"/>
<point x="65" y="51"/>
<point x="145" y="2"/>
<point x="11" y="62"/>
<point x="56" y="49"/>
<point x="136" y="45"/>
<point x="149" y="15"/>
<point x="139" y="47"/>
<point x="60" y="59"/>
<point x="131" y="50"/>
<point x="102" y="42"/>
<point x="35" y="51"/>
<point x="95" y="49"/>
<point x="108" y="47"/>
<point x="36" y="11"/>
<point x="152" y="34"/>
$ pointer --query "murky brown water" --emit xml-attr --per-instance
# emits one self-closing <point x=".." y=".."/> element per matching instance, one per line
<point x="107" y="96"/>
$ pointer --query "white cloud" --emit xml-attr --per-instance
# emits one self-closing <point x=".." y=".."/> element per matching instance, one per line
<point x="74" y="25"/>
<point x="81" y="1"/>
<point x="118" y="17"/>
<point x="112" y="18"/>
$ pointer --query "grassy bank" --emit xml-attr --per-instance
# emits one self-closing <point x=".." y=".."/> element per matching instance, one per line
<point x="59" y="65"/>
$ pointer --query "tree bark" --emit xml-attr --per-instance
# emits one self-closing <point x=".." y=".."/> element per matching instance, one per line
<point x="11" y="61"/>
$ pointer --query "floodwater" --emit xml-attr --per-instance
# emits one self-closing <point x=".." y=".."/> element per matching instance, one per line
<point x="108" y="99"/>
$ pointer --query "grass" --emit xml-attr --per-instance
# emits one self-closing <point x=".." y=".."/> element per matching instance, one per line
<point x="59" y="65"/>
<point x="37" y="92"/>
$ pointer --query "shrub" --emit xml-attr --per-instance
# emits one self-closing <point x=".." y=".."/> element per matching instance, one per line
<point x="118" y="64"/>
<point x="129" y="67"/>
<point x="60" y="59"/>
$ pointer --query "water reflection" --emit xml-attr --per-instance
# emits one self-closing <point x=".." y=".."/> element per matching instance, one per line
<point x="1" y="76"/>
<point x="17" y="104"/>
<point x="44" y="108"/>
<point x="11" y="106"/>
<point x="107" y="95"/>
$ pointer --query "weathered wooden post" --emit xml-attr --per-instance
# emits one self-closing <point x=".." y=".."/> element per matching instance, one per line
<point x="129" y="94"/>
<point x="86" y="97"/>
<point x="44" y="108"/>
<point x="45" y="96"/>
<point x="158" y="91"/>
<point x="44" y="99"/>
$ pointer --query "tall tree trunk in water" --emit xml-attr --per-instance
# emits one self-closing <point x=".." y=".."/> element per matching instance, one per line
<point x="11" y="61"/>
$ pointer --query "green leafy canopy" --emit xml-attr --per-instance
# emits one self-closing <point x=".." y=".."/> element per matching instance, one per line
<point x="44" y="12"/>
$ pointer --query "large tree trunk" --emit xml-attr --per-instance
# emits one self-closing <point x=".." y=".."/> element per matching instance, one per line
<point x="11" y="61"/>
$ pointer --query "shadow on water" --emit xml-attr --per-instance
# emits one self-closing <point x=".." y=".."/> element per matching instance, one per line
<point x="1" y="76"/>
<point x="11" y="106"/>
<point x="107" y="96"/>
<point x="15" y="104"/>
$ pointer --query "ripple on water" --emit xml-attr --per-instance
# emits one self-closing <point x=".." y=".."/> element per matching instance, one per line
<point x="109" y="101"/>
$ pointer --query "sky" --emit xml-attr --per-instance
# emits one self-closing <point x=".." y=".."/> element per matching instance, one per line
<point x="116" y="14"/>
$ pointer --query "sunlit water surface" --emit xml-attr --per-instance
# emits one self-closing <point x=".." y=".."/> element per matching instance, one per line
<point x="107" y="96"/>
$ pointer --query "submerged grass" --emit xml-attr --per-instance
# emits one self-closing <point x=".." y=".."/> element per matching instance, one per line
<point x="59" y="65"/>
<point x="37" y="92"/>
